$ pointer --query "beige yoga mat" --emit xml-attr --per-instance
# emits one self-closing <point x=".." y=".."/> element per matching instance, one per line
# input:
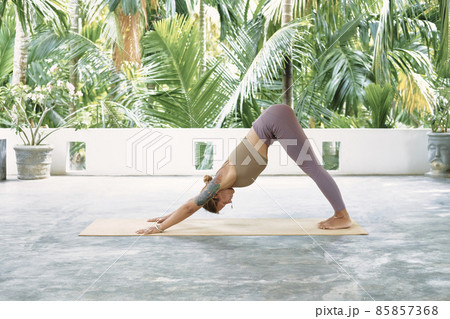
<point x="221" y="227"/>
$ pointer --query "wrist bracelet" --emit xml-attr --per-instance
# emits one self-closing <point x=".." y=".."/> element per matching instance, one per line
<point x="160" y="230"/>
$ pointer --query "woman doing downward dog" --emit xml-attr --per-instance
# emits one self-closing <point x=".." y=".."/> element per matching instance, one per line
<point x="249" y="159"/>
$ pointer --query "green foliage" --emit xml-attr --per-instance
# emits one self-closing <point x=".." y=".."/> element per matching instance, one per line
<point x="48" y="12"/>
<point x="129" y="7"/>
<point x="27" y="109"/>
<point x="347" y="71"/>
<point x="7" y="33"/>
<point x="378" y="100"/>
<point x="440" y="118"/>
<point x="182" y="96"/>
<point x="113" y="4"/>
<point x="256" y="67"/>
<point x="104" y="88"/>
<point x="443" y="63"/>
<point x="338" y="48"/>
<point x="343" y="121"/>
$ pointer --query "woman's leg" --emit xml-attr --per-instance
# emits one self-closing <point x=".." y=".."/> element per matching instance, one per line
<point x="279" y="122"/>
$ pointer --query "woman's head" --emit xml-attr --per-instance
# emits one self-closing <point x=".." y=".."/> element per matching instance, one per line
<point x="219" y="200"/>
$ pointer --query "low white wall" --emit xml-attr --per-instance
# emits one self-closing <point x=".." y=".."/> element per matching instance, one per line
<point x="171" y="151"/>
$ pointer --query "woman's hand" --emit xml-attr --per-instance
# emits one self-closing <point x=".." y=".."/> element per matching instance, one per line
<point x="165" y="222"/>
<point x="148" y="231"/>
<point x="152" y="229"/>
<point x="157" y="219"/>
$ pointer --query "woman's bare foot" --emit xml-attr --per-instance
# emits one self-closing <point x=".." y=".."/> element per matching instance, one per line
<point x="340" y="220"/>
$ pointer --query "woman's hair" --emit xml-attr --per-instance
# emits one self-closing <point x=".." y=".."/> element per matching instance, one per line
<point x="211" y="205"/>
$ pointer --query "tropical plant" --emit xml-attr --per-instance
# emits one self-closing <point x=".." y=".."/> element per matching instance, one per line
<point x="187" y="79"/>
<point x="331" y="73"/>
<point x="103" y="86"/>
<point x="27" y="108"/>
<point x="378" y="100"/>
<point x="182" y="97"/>
<point x="399" y="56"/>
<point x="27" y="11"/>
<point x="255" y="69"/>
<point x="440" y="117"/>
<point x="7" y="34"/>
<point x="346" y="121"/>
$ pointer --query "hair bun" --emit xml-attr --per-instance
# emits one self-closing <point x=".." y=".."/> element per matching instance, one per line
<point x="207" y="179"/>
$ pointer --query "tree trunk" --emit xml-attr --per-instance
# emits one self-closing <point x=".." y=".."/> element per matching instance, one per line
<point x="20" y="54"/>
<point x="129" y="49"/>
<point x="202" y="38"/>
<point x="74" y="27"/>
<point x="287" y="76"/>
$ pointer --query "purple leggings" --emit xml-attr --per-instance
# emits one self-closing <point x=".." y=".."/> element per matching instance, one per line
<point x="279" y="122"/>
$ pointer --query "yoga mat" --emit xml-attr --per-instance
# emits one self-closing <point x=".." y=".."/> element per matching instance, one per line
<point x="221" y="227"/>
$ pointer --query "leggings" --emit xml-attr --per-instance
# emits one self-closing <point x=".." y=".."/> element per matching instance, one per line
<point x="279" y="122"/>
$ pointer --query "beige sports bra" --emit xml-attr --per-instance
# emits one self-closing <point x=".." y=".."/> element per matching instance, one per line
<point x="248" y="163"/>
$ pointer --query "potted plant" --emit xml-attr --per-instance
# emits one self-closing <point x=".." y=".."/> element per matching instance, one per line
<point x="28" y="111"/>
<point x="439" y="137"/>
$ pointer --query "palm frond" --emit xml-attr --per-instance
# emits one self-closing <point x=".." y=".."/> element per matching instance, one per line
<point x="231" y="14"/>
<point x="310" y="102"/>
<point x="345" y="75"/>
<point x="383" y="42"/>
<point x="265" y="66"/>
<point x="94" y="9"/>
<point x="411" y="60"/>
<point x="7" y="33"/>
<point x="415" y="92"/>
<point x="54" y="11"/>
<point x="177" y="94"/>
<point x="3" y="5"/>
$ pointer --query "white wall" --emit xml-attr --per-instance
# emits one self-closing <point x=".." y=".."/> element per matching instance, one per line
<point x="171" y="151"/>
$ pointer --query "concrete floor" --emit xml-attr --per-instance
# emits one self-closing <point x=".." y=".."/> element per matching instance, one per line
<point x="405" y="257"/>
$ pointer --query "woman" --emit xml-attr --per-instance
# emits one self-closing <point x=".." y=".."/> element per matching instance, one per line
<point x="248" y="160"/>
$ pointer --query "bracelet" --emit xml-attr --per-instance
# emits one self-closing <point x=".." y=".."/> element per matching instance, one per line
<point x="160" y="230"/>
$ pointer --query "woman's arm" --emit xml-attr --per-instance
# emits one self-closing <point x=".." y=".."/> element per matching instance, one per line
<point x="185" y="210"/>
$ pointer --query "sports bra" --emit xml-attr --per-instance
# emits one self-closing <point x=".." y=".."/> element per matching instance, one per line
<point x="248" y="163"/>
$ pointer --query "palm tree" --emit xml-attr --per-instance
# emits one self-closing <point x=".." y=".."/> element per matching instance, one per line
<point x="103" y="86"/>
<point x="74" y="28"/>
<point x="183" y="97"/>
<point x="399" y="56"/>
<point x="339" y="47"/>
<point x="128" y="15"/>
<point x="20" y="52"/>
<point x="44" y="10"/>
<point x="232" y="13"/>
<point x="258" y="66"/>
<point x="333" y="24"/>
<point x="353" y="46"/>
